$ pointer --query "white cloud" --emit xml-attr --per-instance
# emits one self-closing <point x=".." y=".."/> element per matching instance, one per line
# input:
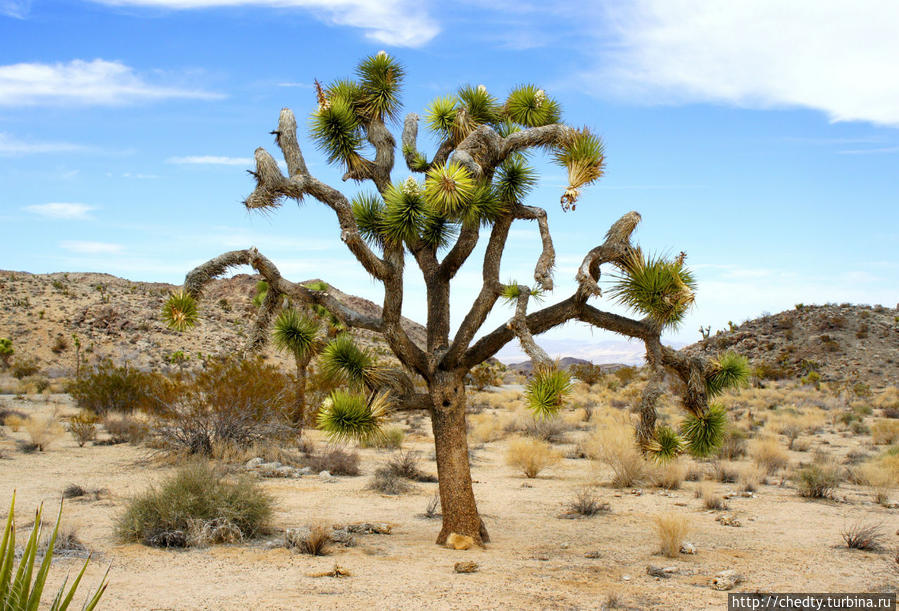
<point x="18" y="9"/>
<point x="61" y="210"/>
<point x="97" y="82"/>
<point x="210" y="160"/>
<point x="10" y="146"/>
<point x="92" y="248"/>
<point x="830" y="55"/>
<point x="403" y="23"/>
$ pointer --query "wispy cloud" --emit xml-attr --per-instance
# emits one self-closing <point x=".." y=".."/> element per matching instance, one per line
<point x="17" y="9"/>
<point x="98" y="82"/>
<point x="92" y="248"/>
<point x="404" y="23"/>
<point x="61" y="211"/>
<point x="210" y="160"/>
<point x="829" y="55"/>
<point x="872" y="151"/>
<point x="12" y="147"/>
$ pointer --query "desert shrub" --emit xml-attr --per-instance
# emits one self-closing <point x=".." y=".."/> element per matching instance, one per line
<point x="669" y="476"/>
<point x="486" y="428"/>
<point x="238" y="401"/>
<point x="885" y="432"/>
<point x="6" y="351"/>
<point x="531" y="456"/>
<point x="861" y="536"/>
<point x="626" y="375"/>
<point x="769" y="455"/>
<point x="710" y="498"/>
<point x="817" y="481"/>
<point x="890" y="412"/>
<point x="43" y="430"/>
<point x="125" y="429"/>
<point x="387" y="481"/>
<point x="551" y="429"/>
<point x="751" y="477"/>
<point x="108" y="388"/>
<point x="314" y="540"/>
<point x="486" y="374"/>
<point x="432" y="511"/>
<point x="391" y="439"/>
<point x="616" y="449"/>
<point x="671" y="528"/>
<point x="335" y="461"/>
<point x="195" y="498"/>
<point x="405" y="464"/>
<point x="17" y="590"/>
<point x="725" y="472"/>
<point x="586" y="503"/>
<point x="587" y="373"/>
<point x="22" y="368"/>
<point x="60" y="344"/>
<point x="733" y="445"/>
<point x="83" y="427"/>
<point x="13" y="419"/>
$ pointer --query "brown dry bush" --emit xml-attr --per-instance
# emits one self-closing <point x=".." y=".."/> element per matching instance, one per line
<point x="885" y="432"/>
<point x="586" y="504"/>
<point x="669" y="476"/>
<point x="531" y="456"/>
<point x="110" y="388"/>
<point x="817" y="480"/>
<point x="314" y="540"/>
<point x="868" y="537"/>
<point x="43" y="430"/>
<point x="769" y="455"/>
<point x="335" y="461"/>
<point x="615" y="448"/>
<point x="230" y="400"/>
<point x="83" y="427"/>
<point x="671" y="528"/>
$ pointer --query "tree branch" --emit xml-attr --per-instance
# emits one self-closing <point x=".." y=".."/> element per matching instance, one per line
<point x="519" y="326"/>
<point x="410" y="146"/>
<point x="378" y="171"/>
<point x="616" y="247"/>
<point x="543" y="273"/>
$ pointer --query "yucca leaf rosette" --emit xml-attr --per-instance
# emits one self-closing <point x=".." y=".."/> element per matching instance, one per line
<point x="660" y="288"/>
<point x="704" y="433"/>
<point x="547" y="391"/>
<point x="346" y="416"/>
<point x="180" y="311"/>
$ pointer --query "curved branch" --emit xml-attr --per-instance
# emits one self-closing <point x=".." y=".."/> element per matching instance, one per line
<point x="615" y="248"/>
<point x="272" y="186"/>
<point x="543" y="271"/>
<point x="378" y="171"/>
<point x="459" y="253"/>
<point x="519" y="326"/>
<point x="410" y="147"/>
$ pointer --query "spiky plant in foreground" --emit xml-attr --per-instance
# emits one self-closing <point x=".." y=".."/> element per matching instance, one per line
<point x="469" y="189"/>
<point x="17" y="590"/>
<point x="180" y="311"/>
<point x="666" y="445"/>
<point x="547" y="390"/>
<point x="730" y="370"/>
<point x="705" y="432"/>
<point x="347" y="416"/>
<point x="298" y="334"/>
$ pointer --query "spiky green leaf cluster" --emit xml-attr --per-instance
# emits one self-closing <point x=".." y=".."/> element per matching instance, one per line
<point x="481" y="107"/>
<point x="296" y="333"/>
<point x="529" y="106"/>
<point x="380" y="82"/>
<point x="337" y="131"/>
<point x="449" y="188"/>
<point x="317" y="285"/>
<point x="17" y="590"/>
<point x="441" y="115"/>
<point x="666" y="444"/>
<point x="344" y="362"/>
<point x="180" y="311"/>
<point x="346" y="416"/>
<point x="655" y="286"/>
<point x="514" y="179"/>
<point x="368" y="210"/>
<point x="512" y="290"/>
<point x="404" y="213"/>
<point x="547" y="390"/>
<point x="583" y="154"/>
<point x="730" y="370"/>
<point x="704" y="433"/>
<point x="483" y="208"/>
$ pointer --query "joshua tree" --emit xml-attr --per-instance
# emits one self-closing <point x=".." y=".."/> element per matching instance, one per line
<point x="298" y="334"/>
<point x="473" y="186"/>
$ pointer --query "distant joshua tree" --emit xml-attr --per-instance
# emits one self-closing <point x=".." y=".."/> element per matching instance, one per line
<point x="475" y="184"/>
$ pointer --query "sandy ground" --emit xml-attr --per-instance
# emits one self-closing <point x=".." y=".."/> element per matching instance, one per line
<point x="535" y="559"/>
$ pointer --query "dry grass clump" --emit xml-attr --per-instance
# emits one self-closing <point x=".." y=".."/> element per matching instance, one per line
<point x="671" y="528"/>
<point x="751" y="477"/>
<point x="615" y="448"/>
<point x="710" y="498"/>
<point x="195" y="506"/>
<point x="531" y="456"/>
<point x="83" y="427"/>
<point x="43" y="430"/>
<point x="314" y="540"/>
<point x="885" y="432"/>
<point x="386" y="481"/>
<point x="405" y="465"/>
<point x="888" y="398"/>
<point x="487" y="427"/>
<point x="669" y="476"/>
<point x="725" y="472"/>
<point x="868" y="537"/>
<point x="335" y="461"/>
<point x="15" y="421"/>
<point x="818" y="480"/>
<point x="586" y="504"/>
<point x="125" y="429"/>
<point x="769" y="455"/>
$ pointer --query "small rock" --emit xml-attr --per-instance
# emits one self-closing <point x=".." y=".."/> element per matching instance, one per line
<point x="293" y="537"/>
<point x="625" y="578"/>
<point x="593" y="554"/>
<point x="688" y="548"/>
<point x="663" y="572"/>
<point x="542" y="557"/>
<point x="368" y="528"/>
<point x="286" y="471"/>
<point x="729" y="521"/>
<point x="305" y="471"/>
<point x="254" y="462"/>
<point x="726" y="580"/>
<point x="326" y="477"/>
<point x="466" y="567"/>
<point x="459" y="542"/>
<point x="564" y="546"/>
<point x="637" y="492"/>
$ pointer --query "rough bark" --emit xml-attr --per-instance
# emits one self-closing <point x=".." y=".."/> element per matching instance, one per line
<point x="460" y="511"/>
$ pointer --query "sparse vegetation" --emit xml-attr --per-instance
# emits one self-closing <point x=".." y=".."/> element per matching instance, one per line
<point x="531" y="456"/>
<point x="817" y="481"/>
<point x="43" y="430"/>
<point x="587" y="504"/>
<point x="867" y="537"/>
<point x="195" y="501"/>
<point x="335" y="461"/>
<point x="314" y="540"/>
<point x="671" y="528"/>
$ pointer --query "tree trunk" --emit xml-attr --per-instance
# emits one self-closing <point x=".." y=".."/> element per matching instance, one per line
<point x="460" y="512"/>
<point x="298" y="415"/>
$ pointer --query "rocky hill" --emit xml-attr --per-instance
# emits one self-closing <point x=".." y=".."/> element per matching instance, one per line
<point x="841" y="342"/>
<point x="525" y="368"/>
<point x="120" y="319"/>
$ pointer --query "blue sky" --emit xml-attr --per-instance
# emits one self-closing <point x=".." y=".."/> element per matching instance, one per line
<point x="759" y="138"/>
